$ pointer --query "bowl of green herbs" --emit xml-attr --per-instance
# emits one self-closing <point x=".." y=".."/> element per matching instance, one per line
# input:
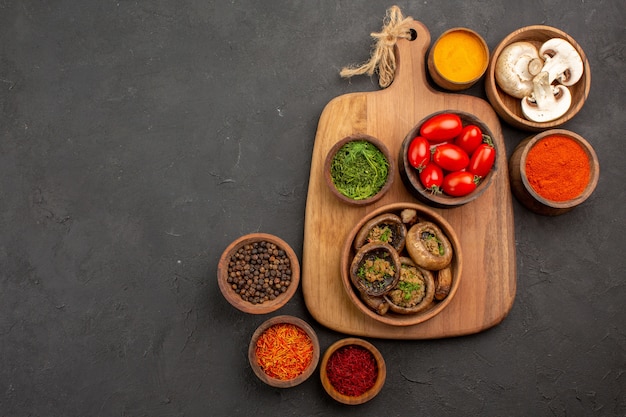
<point x="359" y="169"/>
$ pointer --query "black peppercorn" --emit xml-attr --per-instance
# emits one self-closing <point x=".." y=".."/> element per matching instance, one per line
<point x="259" y="272"/>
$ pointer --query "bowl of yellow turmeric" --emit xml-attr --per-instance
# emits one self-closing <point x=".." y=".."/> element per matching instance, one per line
<point x="458" y="59"/>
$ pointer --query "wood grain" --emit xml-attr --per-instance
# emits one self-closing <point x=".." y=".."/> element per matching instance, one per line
<point x="484" y="226"/>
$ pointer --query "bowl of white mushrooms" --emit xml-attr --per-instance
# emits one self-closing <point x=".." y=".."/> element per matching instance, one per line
<point x="538" y="78"/>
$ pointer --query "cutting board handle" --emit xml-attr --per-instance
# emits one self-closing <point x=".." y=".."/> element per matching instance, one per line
<point x="411" y="64"/>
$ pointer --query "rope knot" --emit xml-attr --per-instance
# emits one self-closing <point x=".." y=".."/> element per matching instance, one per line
<point x="383" y="60"/>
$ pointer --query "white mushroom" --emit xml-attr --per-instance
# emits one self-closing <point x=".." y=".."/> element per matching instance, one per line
<point x="562" y="61"/>
<point x="516" y="66"/>
<point x="547" y="102"/>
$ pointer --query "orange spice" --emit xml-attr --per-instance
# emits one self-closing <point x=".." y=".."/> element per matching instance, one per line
<point x="284" y="351"/>
<point x="460" y="56"/>
<point x="558" y="168"/>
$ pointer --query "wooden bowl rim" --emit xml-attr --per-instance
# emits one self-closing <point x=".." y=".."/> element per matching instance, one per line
<point x="443" y="200"/>
<point x="390" y="174"/>
<point x="391" y="318"/>
<point x="495" y="93"/>
<point x="369" y="394"/>
<point x="459" y="84"/>
<point x="268" y="306"/>
<point x="593" y="161"/>
<point x="281" y="383"/>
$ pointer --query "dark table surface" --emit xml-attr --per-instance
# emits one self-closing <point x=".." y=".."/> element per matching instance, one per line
<point x="138" y="139"/>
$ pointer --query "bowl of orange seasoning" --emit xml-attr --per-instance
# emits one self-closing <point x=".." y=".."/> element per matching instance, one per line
<point x="284" y="351"/>
<point x="553" y="171"/>
<point x="458" y="59"/>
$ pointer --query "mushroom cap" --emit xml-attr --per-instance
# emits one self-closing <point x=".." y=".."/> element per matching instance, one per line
<point x="548" y="102"/>
<point x="516" y="66"/>
<point x="562" y="61"/>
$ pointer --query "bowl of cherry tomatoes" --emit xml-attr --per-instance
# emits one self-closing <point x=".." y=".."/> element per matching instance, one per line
<point x="448" y="159"/>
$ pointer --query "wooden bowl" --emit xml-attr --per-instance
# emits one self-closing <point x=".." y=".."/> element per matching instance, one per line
<point x="249" y="306"/>
<point x="329" y="160"/>
<point x="410" y="175"/>
<point x="444" y="80"/>
<point x="367" y="395"/>
<point x="524" y="192"/>
<point x="308" y="371"/>
<point x="391" y="318"/>
<point x="508" y="107"/>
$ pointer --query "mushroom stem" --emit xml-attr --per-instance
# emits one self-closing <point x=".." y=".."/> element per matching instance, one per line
<point x="547" y="102"/>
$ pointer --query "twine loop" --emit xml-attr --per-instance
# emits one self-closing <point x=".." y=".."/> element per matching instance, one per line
<point x="383" y="59"/>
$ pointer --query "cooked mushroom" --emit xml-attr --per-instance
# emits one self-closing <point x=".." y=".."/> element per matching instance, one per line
<point x="385" y="228"/>
<point x="562" y="61"/>
<point x="375" y="268"/>
<point x="547" y="102"/>
<point x="443" y="283"/>
<point x="428" y="246"/>
<point x="415" y="290"/>
<point x="515" y="68"/>
<point x="409" y="216"/>
<point x="376" y="303"/>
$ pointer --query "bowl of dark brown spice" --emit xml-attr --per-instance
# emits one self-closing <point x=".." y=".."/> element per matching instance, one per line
<point x="258" y="273"/>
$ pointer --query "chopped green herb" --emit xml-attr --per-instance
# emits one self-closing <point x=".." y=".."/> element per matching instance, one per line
<point x="386" y="235"/>
<point x="380" y="234"/>
<point x="359" y="170"/>
<point x="432" y="237"/>
<point x="407" y="288"/>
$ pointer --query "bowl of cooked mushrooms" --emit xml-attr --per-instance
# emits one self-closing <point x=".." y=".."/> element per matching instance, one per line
<point x="410" y="255"/>
<point x="538" y="78"/>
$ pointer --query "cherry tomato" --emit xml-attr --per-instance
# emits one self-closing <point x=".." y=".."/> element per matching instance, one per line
<point x="450" y="157"/>
<point x="431" y="177"/>
<point x="482" y="160"/>
<point x="459" y="183"/>
<point x="419" y="152"/>
<point x="442" y="127"/>
<point x="471" y="136"/>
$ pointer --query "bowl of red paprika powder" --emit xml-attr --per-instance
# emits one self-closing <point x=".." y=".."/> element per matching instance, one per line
<point x="284" y="351"/>
<point x="553" y="172"/>
<point x="352" y="371"/>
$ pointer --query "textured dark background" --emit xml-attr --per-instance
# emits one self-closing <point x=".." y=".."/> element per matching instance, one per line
<point x="139" y="138"/>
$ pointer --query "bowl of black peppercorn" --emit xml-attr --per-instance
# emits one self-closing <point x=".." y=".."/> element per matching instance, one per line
<point x="258" y="273"/>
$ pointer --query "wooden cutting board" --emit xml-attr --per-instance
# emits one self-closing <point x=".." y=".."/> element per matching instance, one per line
<point x="484" y="227"/>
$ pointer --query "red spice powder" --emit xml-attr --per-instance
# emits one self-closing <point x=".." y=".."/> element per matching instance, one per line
<point x="352" y="370"/>
<point x="284" y="351"/>
<point x="558" y="168"/>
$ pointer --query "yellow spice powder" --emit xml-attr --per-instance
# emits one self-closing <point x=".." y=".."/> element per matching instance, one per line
<point x="459" y="56"/>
